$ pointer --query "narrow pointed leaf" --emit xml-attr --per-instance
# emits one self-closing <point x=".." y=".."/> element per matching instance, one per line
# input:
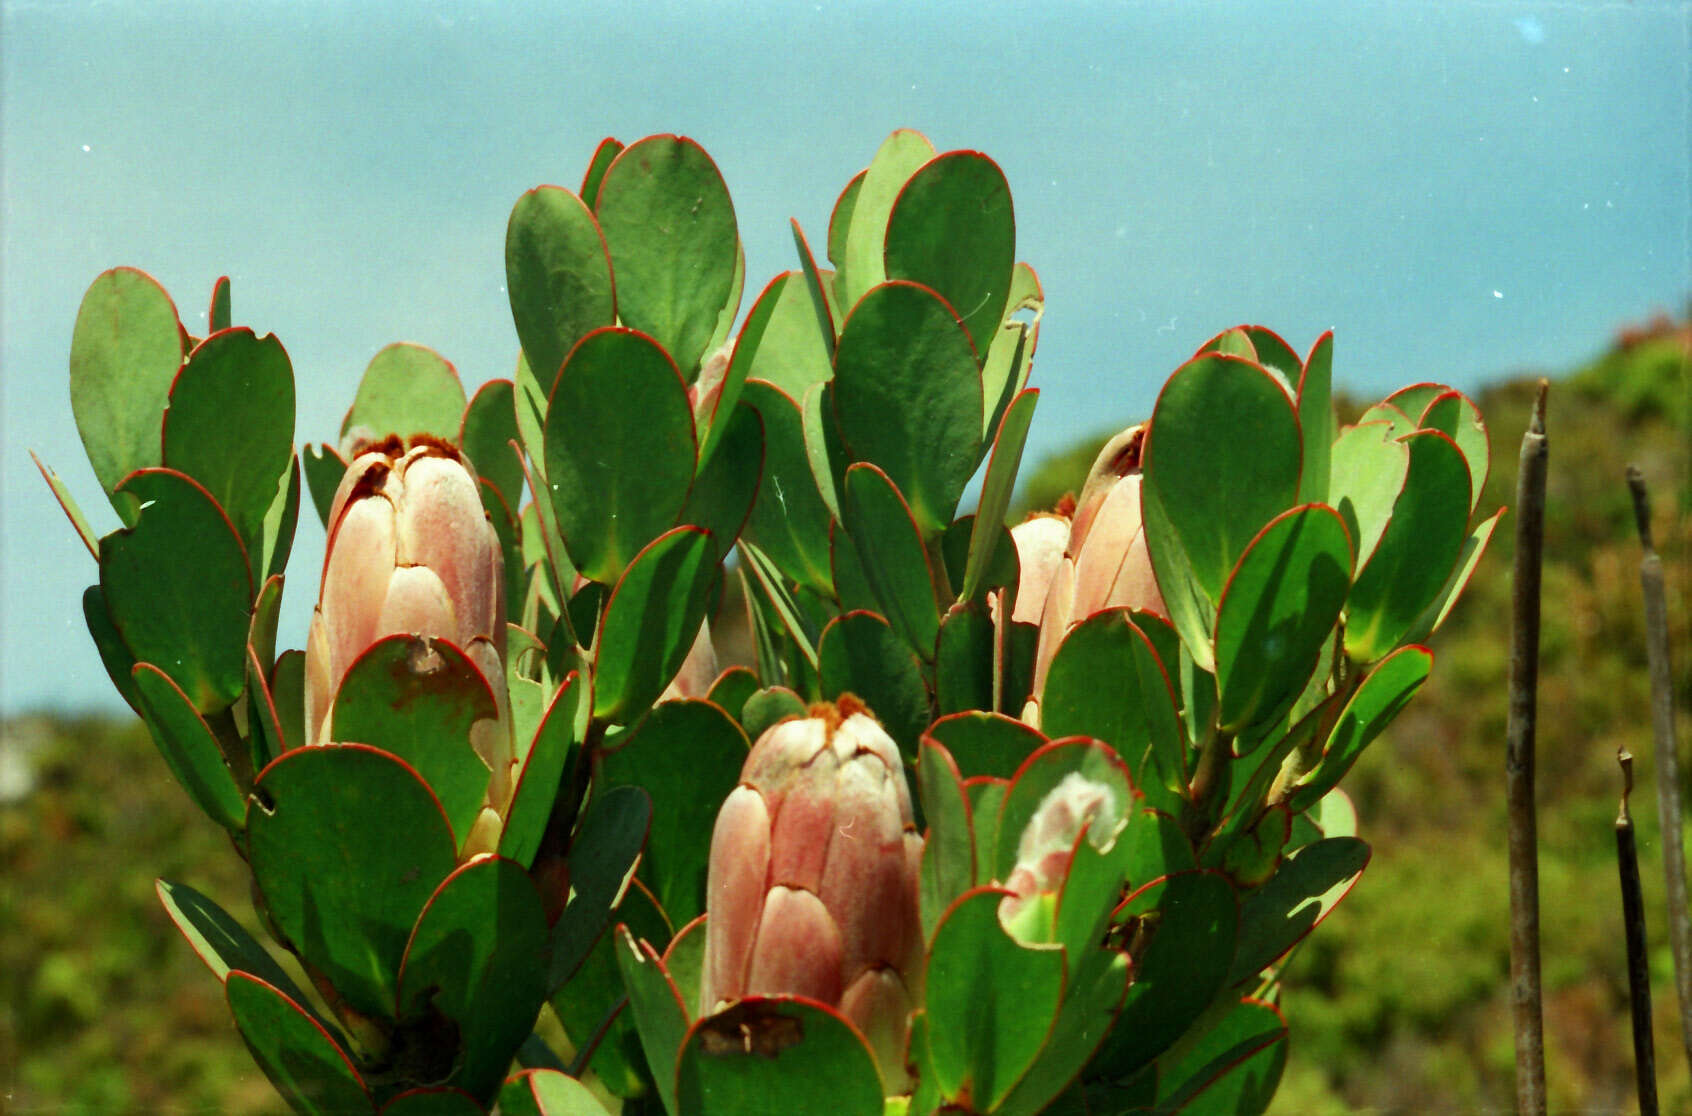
<point x="659" y="1011"/>
<point x="1389" y="687"/>
<point x="1474" y="549"/>
<point x="727" y="486"/>
<point x="996" y="489"/>
<point x="602" y="860"/>
<point x="1308" y="885"/>
<point x="1316" y="420"/>
<point x="67" y="502"/>
<point x="552" y="751"/>
<point x="827" y="329"/>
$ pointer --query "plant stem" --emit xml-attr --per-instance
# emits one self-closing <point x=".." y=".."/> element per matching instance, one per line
<point x="1638" y="964"/>
<point x="1519" y="767"/>
<point x="1667" y="756"/>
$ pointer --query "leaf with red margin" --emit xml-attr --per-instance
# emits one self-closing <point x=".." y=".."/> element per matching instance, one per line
<point x="1234" y="1069"/>
<point x="407" y="389"/>
<point x="305" y="1064"/>
<point x="347" y="843"/>
<point x="660" y="1012"/>
<point x="433" y="1102"/>
<point x="478" y="956"/>
<point x="553" y="751"/>
<point x="650" y="622"/>
<point x="889" y="543"/>
<point x="189" y="747"/>
<point x="545" y="1092"/>
<point x="557" y="277"/>
<point x="773" y="1056"/>
<point x="814" y="285"/>
<point x="1308" y="885"/>
<point x="67" y="502"/>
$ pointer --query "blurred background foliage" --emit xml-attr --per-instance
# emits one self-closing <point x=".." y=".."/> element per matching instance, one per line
<point x="1399" y="1003"/>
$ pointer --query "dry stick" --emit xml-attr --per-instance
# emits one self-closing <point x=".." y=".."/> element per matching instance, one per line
<point x="1638" y="964"/>
<point x="1668" y="763"/>
<point x="1518" y="767"/>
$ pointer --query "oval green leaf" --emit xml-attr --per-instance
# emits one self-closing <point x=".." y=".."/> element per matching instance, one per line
<point x="650" y="622"/>
<point x="486" y="435"/>
<point x="407" y="389"/>
<point x="860" y="654"/>
<point x="889" y="544"/>
<point x="558" y="277"/>
<point x="189" y="747"/>
<point x="307" y="1067"/>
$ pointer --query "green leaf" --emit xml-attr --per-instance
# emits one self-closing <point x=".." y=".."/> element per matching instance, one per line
<point x="659" y="1011"/>
<point x="486" y="436"/>
<point x="723" y="493"/>
<point x="552" y="751"/>
<point x="177" y="587"/>
<point x="684" y="960"/>
<point x="670" y="228"/>
<point x="996" y="489"/>
<point x="791" y="351"/>
<point x="789" y="521"/>
<point x="347" y="844"/>
<point x="417" y="698"/>
<point x="234" y="381"/>
<point x="907" y="396"/>
<point x="125" y="350"/>
<point x="189" y="747"/>
<point x="984" y="1034"/>
<point x="67" y="502"/>
<point x="217" y="315"/>
<point x="287" y="690"/>
<point x="1279" y="608"/>
<point x="407" y="389"/>
<point x="620" y="450"/>
<point x="773" y="1056"/>
<point x="603" y="155"/>
<point x="948" y="852"/>
<point x="1316" y="420"/>
<point x="602" y="859"/>
<point x="1039" y="776"/>
<point x="822" y="444"/>
<point x="444" y="1101"/>
<point x="1412" y="400"/>
<point x="1383" y="694"/>
<point x="114" y="655"/>
<point x="1308" y="885"/>
<point x="687" y="756"/>
<point x="1157" y="847"/>
<point x="546" y="1092"/>
<point x="963" y="667"/>
<point x="1182" y="930"/>
<point x="986" y="743"/>
<point x="1233" y="1069"/>
<point x="1368" y="470"/>
<point x="863" y="261"/>
<point x="276" y="533"/>
<point x="953" y="229"/>
<point x="650" y="622"/>
<point x="1417" y="551"/>
<point x="769" y="707"/>
<point x="726" y="316"/>
<point x="839" y="223"/>
<point x="821" y="312"/>
<point x="860" y="654"/>
<point x="1010" y="350"/>
<point x="593" y="1007"/>
<point x="478" y="957"/>
<point x="558" y="277"/>
<point x="1135" y="713"/>
<point x="1456" y="416"/>
<point x="1218" y="416"/>
<point x="307" y="1067"/>
<point x="889" y="543"/>
<point x="1474" y="548"/>
<point x="324" y="469"/>
<point x="221" y="942"/>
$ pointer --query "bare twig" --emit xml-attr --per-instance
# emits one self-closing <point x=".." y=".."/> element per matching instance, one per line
<point x="1519" y="767"/>
<point x="1667" y="756"/>
<point x="1638" y="964"/>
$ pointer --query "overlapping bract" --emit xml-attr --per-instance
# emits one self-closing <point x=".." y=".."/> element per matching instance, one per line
<point x="812" y="888"/>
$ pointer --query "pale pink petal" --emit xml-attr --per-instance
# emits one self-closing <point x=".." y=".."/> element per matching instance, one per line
<point x="781" y="753"/>
<point x="1054" y="622"/>
<point x="1136" y="584"/>
<point x="797" y="951"/>
<point x="865" y="882"/>
<point x="443" y="525"/>
<point x="355" y="580"/>
<point x="697" y="671"/>
<point x="1040" y="544"/>
<point x="739" y="865"/>
<point x="879" y="1004"/>
<point x="1115" y="528"/>
<point x="319" y="682"/>
<point x="416" y="604"/>
<point x="804" y="821"/>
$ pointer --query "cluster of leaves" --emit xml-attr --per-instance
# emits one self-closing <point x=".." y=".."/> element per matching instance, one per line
<point x="833" y="438"/>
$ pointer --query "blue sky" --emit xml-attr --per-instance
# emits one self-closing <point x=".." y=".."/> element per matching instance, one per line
<point x="1461" y="190"/>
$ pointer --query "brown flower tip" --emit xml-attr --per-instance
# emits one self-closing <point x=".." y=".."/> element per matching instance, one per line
<point x="1065" y="506"/>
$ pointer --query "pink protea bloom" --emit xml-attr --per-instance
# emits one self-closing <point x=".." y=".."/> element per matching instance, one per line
<point x="1106" y="563"/>
<point x="411" y="551"/>
<point x="812" y="885"/>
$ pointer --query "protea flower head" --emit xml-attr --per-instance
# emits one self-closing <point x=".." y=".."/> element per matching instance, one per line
<point x="411" y="551"/>
<point x="812" y="885"/>
<point x="1106" y="563"/>
<point x="1040" y="540"/>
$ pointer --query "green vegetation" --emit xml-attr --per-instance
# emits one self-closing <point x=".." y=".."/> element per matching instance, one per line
<point x="1398" y="1003"/>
